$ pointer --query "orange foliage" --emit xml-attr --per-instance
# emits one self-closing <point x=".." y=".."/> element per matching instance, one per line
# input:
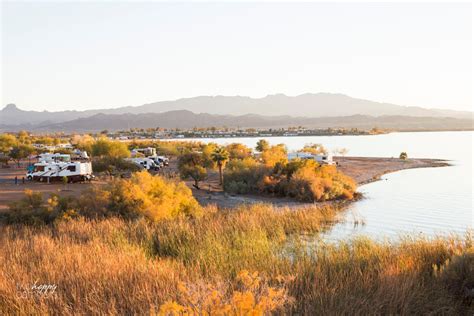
<point x="254" y="297"/>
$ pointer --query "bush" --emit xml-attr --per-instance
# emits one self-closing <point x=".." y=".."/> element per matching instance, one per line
<point x="275" y="154"/>
<point x="304" y="180"/>
<point x="320" y="183"/>
<point x="111" y="149"/>
<point x="114" y="165"/>
<point x="244" y="176"/>
<point x="238" y="151"/>
<point x="33" y="210"/>
<point x="143" y="195"/>
<point x="191" y="165"/>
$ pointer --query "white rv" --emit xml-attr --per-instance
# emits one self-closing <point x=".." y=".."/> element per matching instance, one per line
<point x="147" y="152"/>
<point x="160" y="160"/>
<point x="324" y="159"/>
<point x="145" y="163"/>
<point x="46" y="171"/>
<point x="48" y="157"/>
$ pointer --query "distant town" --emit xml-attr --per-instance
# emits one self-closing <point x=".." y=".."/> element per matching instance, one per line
<point x="215" y="132"/>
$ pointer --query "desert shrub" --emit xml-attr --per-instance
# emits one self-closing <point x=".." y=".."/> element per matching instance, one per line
<point x="275" y="154"/>
<point x="168" y="148"/>
<point x="314" y="149"/>
<point x="114" y="165"/>
<point x="244" y="176"/>
<point x="104" y="147"/>
<point x="254" y="296"/>
<point x="311" y="182"/>
<point x="33" y="210"/>
<point x="238" y="151"/>
<point x="191" y="165"/>
<point x="143" y="195"/>
<point x="304" y="180"/>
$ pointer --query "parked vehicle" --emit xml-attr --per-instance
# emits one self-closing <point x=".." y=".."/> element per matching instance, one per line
<point x="324" y="159"/>
<point x="48" y="157"/>
<point x="74" y="171"/>
<point x="147" y="152"/>
<point x="160" y="160"/>
<point x="145" y="163"/>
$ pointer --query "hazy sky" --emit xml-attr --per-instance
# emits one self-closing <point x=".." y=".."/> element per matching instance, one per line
<point x="59" y="56"/>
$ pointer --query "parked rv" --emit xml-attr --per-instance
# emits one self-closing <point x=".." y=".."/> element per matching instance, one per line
<point x="160" y="160"/>
<point x="48" y="157"/>
<point x="46" y="171"/>
<point x="145" y="163"/>
<point x="150" y="153"/>
<point x="147" y="152"/>
<point x="324" y="159"/>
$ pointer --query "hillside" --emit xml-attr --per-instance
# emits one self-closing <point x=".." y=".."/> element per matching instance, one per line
<point x="186" y="119"/>
<point x="305" y="105"/>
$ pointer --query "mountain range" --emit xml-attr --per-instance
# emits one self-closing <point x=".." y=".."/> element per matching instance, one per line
<point x="320" y="110"/>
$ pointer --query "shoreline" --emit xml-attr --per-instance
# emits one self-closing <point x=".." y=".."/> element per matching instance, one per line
<point x="197" y="138"/>
<point x="363" y="170"/>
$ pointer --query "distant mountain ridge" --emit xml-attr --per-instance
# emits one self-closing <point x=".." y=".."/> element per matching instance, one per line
<point x="184" y="119"/>
<point x="272" y="108"/>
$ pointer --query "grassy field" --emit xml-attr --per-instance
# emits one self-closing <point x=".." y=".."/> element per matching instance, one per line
<point x="246" y="260"/>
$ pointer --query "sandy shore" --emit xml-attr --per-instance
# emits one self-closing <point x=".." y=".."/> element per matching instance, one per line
<point x="362" y="169"/>
<point x="365" y="169"/>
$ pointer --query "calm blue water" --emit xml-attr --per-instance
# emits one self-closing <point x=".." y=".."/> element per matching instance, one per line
<point x="430" y="201"/>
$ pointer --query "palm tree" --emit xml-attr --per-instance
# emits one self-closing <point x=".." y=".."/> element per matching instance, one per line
<point x="220" y="157"/>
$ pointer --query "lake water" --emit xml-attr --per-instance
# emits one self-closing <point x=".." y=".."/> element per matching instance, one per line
<point x="429" y="201"/>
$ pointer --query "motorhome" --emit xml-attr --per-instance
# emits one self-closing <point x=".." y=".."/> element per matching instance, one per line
<point x="46" y="171"/>
<point x="324" y="159"/>
<point x="145" y="163"/>
<point x="150" y="152"/>
<point x="147" y="152"/>
<point x="48" y="157"/>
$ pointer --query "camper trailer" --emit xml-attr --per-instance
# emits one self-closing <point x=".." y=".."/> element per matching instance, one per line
<point x="324" y="159"/>
<point x="46" y="171"/>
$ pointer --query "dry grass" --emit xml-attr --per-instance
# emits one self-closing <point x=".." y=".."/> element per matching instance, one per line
<point x="114" y="266"/>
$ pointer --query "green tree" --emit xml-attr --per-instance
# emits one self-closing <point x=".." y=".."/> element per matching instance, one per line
<point x="275" y="154"/>
<point x="21" y="152"/>
<point x="207" y="151"/>
<point x="262" y="145"/>
<point x="191" y="165"/>
<point x="83" y="142"/>
<point x="314" y="149"/>
<point x="238" y="151"/>
<point x="23" y="137"/>
<point x="7" y="141"/>
<point x="220" y="156"/>
<point x="112" y="149"/>
<point x="403" y="155"/>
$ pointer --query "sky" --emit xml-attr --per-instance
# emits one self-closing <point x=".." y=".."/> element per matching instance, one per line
<point x="77" y="56"/>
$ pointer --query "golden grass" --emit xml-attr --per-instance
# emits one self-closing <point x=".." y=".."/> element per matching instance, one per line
<point x="206" y="265"/>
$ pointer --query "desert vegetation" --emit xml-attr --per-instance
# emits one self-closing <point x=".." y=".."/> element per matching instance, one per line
<point x="250" y="260"/>
<point x="305" y="180"/>
<point x="143" y="245"/>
